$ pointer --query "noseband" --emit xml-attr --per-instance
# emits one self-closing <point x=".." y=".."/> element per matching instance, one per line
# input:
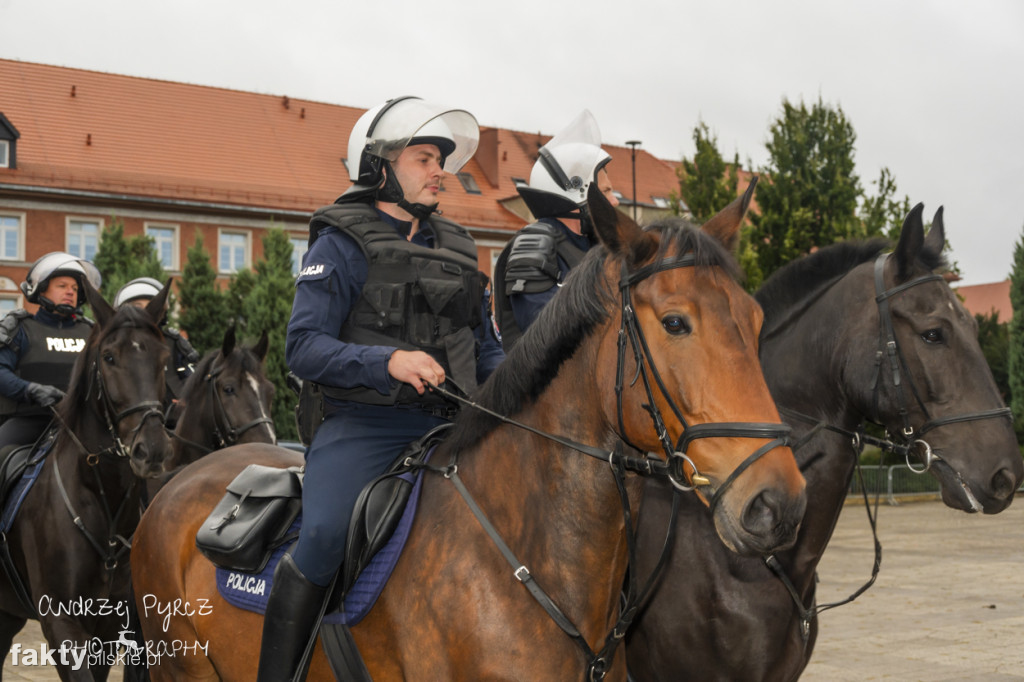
<point x="230" y="434"/>
<point x="889" y="349"/>
<point x="646" y="370"/>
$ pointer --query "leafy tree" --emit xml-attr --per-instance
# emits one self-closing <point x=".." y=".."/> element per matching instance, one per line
<point x="121" y="260"/>
<point x="882" y="214"/>
<point x="267" y="306"/>
<point x="1015" y="359"/>
<point x="994" y="338"/>
<point x="707" y="184"/>
<point x="808" y="193"/>
<point x="203" y="315"/>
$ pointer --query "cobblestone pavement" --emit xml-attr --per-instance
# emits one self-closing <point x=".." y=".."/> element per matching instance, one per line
<point x="948" y="605"/>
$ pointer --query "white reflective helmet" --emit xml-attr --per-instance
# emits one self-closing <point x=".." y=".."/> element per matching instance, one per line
<point x="55" y="264"/>
<point x="140" y="287"/>
<point x="566" y="167"/>
<point x="382" y="133"/>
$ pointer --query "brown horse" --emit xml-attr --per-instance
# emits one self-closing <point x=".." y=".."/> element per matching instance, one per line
<point x="227" y="400"/>
<point x="676" y="346"/>
<point x="69" y="542"/>
<point x="827" y="356"/>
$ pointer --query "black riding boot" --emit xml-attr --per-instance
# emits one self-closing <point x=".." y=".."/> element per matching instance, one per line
<point x="292" y="611"/>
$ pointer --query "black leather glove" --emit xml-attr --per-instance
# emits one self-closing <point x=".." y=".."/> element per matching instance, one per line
<point x="43" y="395"/>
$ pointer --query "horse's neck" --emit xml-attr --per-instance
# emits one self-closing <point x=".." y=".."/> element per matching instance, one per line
<point x="557" y="508"/>
<point x="805" y="373"/>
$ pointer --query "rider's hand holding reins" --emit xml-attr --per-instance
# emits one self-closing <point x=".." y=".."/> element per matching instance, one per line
<point x="415" y="368"/>
<point x="43" y="395"/>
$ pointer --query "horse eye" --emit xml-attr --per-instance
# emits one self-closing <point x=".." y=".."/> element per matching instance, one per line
<point x="933" y="336"/>
<point x="108" y="358"/>
<point x="229" y="389"/>
<point x="676" y="324"/>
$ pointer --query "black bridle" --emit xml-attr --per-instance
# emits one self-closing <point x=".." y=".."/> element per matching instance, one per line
<point x="903" y="444"/>
<point x="889" y="349"/>
<point x="598" y="663"/>
<point x="224" y="432"/>
<point x="116" y="545"/>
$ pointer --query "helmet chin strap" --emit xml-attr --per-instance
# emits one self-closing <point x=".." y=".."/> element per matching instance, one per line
<point x="64" y="309"/>
<point x="391" y="192"/>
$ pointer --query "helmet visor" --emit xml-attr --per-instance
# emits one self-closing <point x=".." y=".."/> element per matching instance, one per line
<point x="401" y="123"/>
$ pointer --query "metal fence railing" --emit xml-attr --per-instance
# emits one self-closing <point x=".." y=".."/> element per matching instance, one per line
<point x="894" y="482"/>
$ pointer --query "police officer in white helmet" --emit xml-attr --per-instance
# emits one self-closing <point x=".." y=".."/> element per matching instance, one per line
<point x="539" y="257"/>
<point x="389" y="299"/>
<point x="38" y="351"/>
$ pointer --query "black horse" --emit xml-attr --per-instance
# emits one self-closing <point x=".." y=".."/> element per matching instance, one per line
<point x="227" y="400"/>
<point x="70" y="541"/>
<point x="850" y="335"/>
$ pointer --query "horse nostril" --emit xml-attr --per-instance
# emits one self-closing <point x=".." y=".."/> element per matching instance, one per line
<point x="1004" y="484"/>
<point x="772" y="513"/>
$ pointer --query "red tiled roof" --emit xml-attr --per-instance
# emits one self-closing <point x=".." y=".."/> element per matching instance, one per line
<point x="982" y="299"/>
<point x="107" y="133"/>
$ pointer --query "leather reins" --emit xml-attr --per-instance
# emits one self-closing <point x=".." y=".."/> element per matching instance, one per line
<point x="598" y="663"/>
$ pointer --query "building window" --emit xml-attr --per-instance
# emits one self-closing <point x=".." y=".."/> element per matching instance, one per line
<point x="11" y="236"/>
<point x="299" y="248"/>
<point x="165" y="243"/>
<point x="83" y="237"/>
<point x="468" y="183"/>
<point x="8" y="302"/>
<point x="660" y="202"/>
<point x="5" y="153"/>
<point x="234" y="251"/>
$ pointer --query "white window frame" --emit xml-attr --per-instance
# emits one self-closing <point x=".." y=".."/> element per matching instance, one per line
<point x="9" y="302"/>
<point x="82" y="219"/>
<point x="300" y="245"/>
<point x="5" y="153"/>
<point x="175" y="241"/>
<point x="20" y="250"/>
<point x="247" y="249"/>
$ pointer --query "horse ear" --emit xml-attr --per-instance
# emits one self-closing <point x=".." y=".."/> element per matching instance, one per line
<point x="911" y="241"/>
<point x="229" y="342"/>
<point x="935" y="242"/>
<point x="616" y="230"/>
<point x="261" y="347"/>
<point x="100" y="308"/>
<point x="157" y="307"/>
<point x="725" y="225"/>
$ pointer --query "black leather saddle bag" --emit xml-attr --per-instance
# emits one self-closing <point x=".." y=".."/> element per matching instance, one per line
<point x="253" y="518"/>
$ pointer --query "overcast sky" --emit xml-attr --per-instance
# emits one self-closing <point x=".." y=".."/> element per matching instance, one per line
<point x="934" y="88"/>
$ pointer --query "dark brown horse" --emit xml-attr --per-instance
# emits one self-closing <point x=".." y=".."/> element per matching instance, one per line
<point x="454" y="608"/>
<point x="226" y="401"/>
<point x="827" y="356"/>
<point x="70" y="540"/>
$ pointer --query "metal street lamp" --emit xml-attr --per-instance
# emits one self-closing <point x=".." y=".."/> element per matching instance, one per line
<point x="633" y="144"/>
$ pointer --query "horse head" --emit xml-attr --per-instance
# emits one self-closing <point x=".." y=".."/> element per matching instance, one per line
<point x="934" y="386"/>
<point x="120" y="378"/>
<point x="690" y="384"/>
<point x="241" y="395"/>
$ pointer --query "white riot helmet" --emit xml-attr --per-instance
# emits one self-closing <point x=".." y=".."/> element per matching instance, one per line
<point x="382" y="133"/>
<point x="140" y="287"/>
<point x="56" y="264"/>
<point x="566" y="167"/>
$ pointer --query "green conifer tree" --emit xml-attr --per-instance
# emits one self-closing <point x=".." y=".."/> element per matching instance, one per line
<point x="203" y="312"/>
<point x="1015" y="361"/>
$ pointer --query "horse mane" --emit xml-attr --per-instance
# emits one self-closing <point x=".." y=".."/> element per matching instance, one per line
<point x="80" y="385"/>
<point x="795" y="285"/>
<point x="585" y="301"/>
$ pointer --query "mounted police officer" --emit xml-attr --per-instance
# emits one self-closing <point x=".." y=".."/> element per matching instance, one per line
<point x="389" y="299"/>
<point x="38" y="351"/>
<point x="139" y="292"/>
<point x="539" y="257"/>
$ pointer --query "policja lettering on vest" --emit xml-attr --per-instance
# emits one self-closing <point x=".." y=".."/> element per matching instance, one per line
<point x="65" y="345"/>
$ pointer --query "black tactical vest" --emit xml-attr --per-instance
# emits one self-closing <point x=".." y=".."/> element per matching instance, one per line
<point x="415" y="298"/>
<point x="48" y="356"/>
<point x="533" y="274"/>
